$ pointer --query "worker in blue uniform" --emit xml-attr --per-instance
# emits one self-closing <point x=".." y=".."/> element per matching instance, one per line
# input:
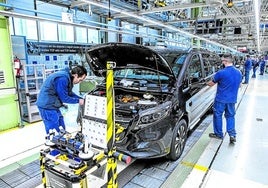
<point x="262" y="66"/>
<point x="228" y="81"/>
<point x="57" y="90"/>
<point x="255" y="64"/>
<point x="247" y="67"/>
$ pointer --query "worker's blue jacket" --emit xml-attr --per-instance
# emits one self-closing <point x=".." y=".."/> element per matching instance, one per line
<point x="56" y="90"/>
<point x="248" y="65"/>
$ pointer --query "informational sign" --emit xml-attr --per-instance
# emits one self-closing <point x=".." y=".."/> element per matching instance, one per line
<point x="36" y="48"/>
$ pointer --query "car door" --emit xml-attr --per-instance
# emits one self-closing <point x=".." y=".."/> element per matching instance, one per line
<point x="201" y="96"/>
<point x="211" y="64"/>
<point x="194" y="103"/>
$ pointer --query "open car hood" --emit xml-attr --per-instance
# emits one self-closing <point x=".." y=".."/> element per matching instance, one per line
<point x="125" y="54"/>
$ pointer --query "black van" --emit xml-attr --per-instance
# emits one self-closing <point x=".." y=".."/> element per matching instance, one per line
<point x="193" y="68"/>
<point x="160" y="94"/>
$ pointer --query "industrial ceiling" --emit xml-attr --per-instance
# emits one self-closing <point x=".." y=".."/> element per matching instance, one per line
<point x="235" y="23"/>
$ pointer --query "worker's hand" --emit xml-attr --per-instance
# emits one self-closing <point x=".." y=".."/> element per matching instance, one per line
<point x="81" y="101"/>
<point x="210" y="83"/>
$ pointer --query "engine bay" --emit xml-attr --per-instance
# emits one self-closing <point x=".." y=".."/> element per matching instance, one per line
<point x="129" y="102"/>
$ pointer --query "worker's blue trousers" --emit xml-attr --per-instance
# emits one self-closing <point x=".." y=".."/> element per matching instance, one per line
<point x="52" y="119"/>
<point x="229" y="113"/>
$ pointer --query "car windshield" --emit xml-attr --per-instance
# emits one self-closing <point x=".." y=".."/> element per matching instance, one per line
<point x="139" y="74"/>
<point x="139" y="77"/>
<point x="175" y="60"/>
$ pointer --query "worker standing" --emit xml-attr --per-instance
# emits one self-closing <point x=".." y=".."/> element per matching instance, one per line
<point x="228" y="81"/>
<point x="262" y="66"/>
<point x="255" y="64"/>
<point x="57" y="90"/>
<point x="247" y="67"/>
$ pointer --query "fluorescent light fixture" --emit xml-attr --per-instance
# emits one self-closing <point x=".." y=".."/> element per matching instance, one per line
<point x="89" y="9"/>
<point x="257" y="21"/>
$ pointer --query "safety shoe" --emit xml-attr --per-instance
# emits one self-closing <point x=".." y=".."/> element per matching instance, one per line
<point x="232" y="139"/>
<point x="213" y="135"/>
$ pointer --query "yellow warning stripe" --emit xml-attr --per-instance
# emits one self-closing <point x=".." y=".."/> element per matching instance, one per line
<point x="109" y="93"/>
<point x="195" y="166"/>
<point x="99" y="157"/>
<point x="111" y="161"/>
<point x="112" y="174"/>
<point x="42" y="168"/>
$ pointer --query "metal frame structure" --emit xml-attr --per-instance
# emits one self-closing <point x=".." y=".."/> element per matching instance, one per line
<point x="172" y="16"/>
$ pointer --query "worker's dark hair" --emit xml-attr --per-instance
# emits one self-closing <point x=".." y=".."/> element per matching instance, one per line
<point x="79" y="70"/>
<point x="227" y="57"/>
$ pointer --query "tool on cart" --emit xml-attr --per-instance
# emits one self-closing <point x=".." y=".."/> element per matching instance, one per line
<point x="67" y="160"/>
<point x="70" y="157"/>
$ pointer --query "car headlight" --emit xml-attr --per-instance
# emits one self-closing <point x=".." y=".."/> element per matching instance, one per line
<point x="153" y="115"/>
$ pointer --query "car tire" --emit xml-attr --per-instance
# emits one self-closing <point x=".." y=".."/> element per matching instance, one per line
<point x="178" y="141"/>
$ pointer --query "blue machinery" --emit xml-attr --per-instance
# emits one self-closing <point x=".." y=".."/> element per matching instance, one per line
<point x="70" y="158"/>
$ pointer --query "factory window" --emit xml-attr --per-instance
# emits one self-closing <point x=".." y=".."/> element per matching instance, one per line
<point x="81" y="35"/>
<point x="25" y="28"/>
<point x="66" y="33"/>
<point x="48" y="31"/>
<point x="93" y="36"/>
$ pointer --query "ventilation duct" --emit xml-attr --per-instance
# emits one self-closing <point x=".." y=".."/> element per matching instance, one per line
<point x="2" y="77"/>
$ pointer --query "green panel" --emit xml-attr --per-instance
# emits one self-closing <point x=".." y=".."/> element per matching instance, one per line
<point x="196" y="42"/>
<point x="8" y="102"/>
<point x="9" y="112"/>
<point x="3" y="23"/>
<point x="1" y="7"/>
<point x="6" y="63"/>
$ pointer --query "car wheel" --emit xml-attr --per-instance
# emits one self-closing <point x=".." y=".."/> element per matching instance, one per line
<point x="179" y="138"/>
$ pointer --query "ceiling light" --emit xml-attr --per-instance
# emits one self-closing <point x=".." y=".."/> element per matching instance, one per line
<point x="89" y="10"/>
<point x="230" y="4"/>
<point x="257" y="21"/>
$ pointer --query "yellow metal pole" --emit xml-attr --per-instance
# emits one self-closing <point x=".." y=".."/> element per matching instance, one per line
<point x="111" y="160"/>
<point x="139" y="5"/>
<point x="42" y="167"/>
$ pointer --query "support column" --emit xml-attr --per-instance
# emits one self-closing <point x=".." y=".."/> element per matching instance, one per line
<point x="194" y="14"/>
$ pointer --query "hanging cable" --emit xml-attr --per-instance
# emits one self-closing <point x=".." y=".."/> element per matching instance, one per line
<point x="109" y="13"/>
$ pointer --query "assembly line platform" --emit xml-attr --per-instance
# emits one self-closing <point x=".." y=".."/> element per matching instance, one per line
<point x="205" y="163"/>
